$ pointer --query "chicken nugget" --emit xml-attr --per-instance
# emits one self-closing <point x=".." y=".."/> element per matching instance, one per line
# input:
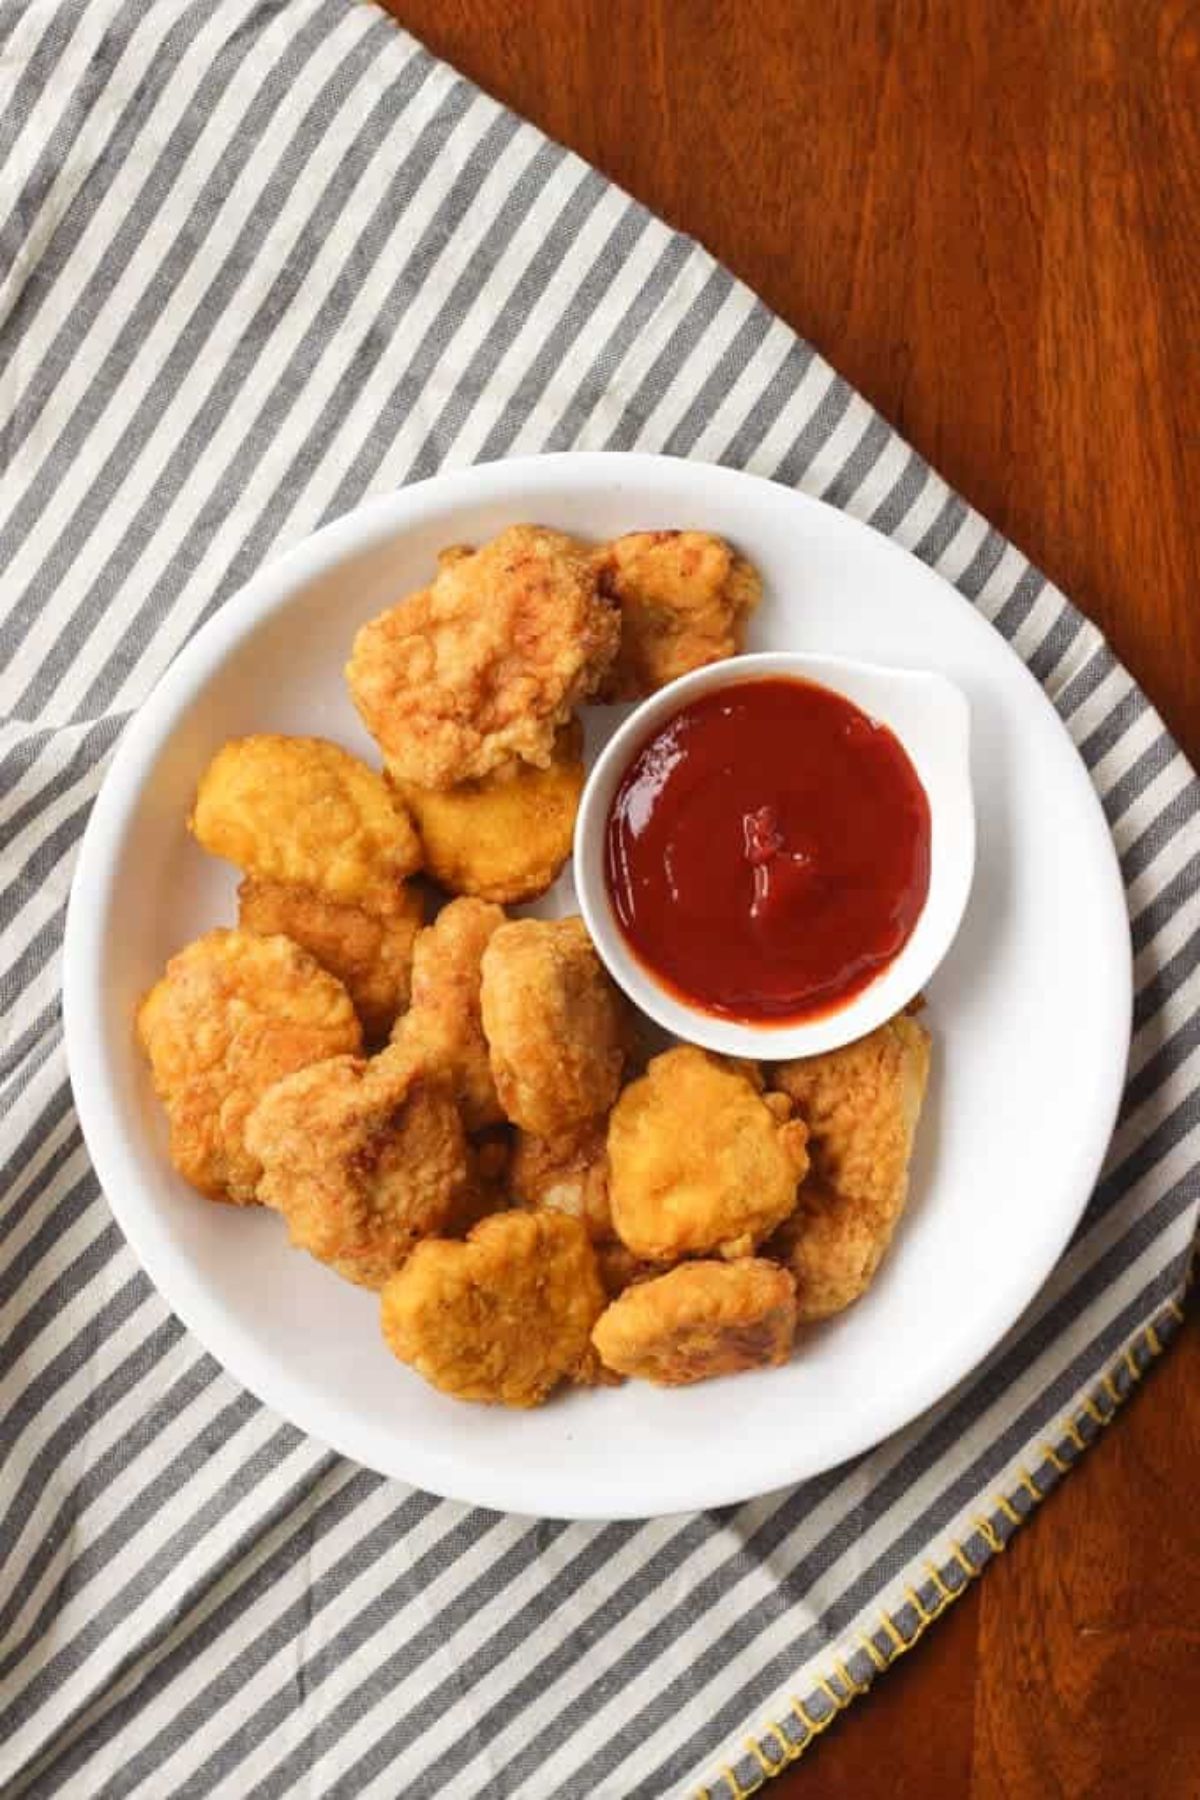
<point x="862" y="1104"/>
<point x="488" y="662"/>
<point x="700" y="1320"/>
<point x="231" y="1015"/>
<point x="443" y="1026"/>
<point x="362" y="1159"/>
<point x="306" y="813"/>
<point x="558" y="1031"/>
<point x="699" y="1162"/>
<point x="503" y="1317"/>
<point x="371" y="956"/>
<point x="685" y="597"/>
<point x="567" y="1174"/>
<point x="506" y="836"/>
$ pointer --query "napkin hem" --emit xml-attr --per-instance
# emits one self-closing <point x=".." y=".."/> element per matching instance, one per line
<point x="783" y="1740"/>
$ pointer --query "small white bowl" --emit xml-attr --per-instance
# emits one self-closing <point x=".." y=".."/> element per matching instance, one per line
<point x="930" y="717"/>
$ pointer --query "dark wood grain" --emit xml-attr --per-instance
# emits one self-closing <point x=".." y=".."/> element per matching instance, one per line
<point x="984" y="212"/>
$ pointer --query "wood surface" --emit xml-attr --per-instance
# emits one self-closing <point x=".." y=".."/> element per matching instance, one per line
<point x="986" y="214"/>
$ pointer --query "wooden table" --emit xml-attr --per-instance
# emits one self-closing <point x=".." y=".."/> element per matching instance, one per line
<point x="984" y="212"/>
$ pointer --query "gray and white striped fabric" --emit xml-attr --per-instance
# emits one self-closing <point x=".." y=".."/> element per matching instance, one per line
<point x="260" y="258"/>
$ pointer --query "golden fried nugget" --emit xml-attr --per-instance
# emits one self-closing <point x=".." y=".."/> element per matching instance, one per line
<point x="567" y="1174"/>
<point x="506" y="836"/>
<point x="699" y="1320"/>
<point x="558" y="1031"/>
<point x="362" y="1159"/>
<point x="862" y="1104"/>
<point x="232" y="1014"/>
<point x="487" y="663"/>
<point x="699" y="1162"/>
<point x="685" y="597"/>
<point x="503" y="1317"/>
<point x="371" y="955"/>
<point x="442" y="1027"/>
<point x="306" y="813"/>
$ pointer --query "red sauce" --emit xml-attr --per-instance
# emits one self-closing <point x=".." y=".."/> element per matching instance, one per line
<point x="767" y="851"/>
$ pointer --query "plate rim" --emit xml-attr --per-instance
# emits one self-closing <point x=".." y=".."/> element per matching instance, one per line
<point x="706" y="1482"/>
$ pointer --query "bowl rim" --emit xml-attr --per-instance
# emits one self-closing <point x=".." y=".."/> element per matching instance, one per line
<point x="696" y="1483"/>
<point x="901" y="979"/>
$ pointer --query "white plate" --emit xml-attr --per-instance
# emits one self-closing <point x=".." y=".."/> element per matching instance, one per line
<point x="1030" y="1011"/>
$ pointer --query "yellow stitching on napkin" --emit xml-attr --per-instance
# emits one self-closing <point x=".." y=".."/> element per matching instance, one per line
<point x="1087" y="1408"/>
<point x="1111" y="1389"/>
<point x="831" y="1694"/>
<point x="1133" y="1365"/>
<point x="1030" y="1485"/>
<point x="987" y="1532"/>
<point x="914" y="1600"/>
<point x="1054" y="1459"/>
<point x="1071" y="1430"/>
<point x="760" y="1756"/>
<point x="735" y="1786"/>
<point x="815" y="1726"/>
<point x="946" y="1594"/>
<point x="788" y="1750"/>
<point x="964" y="1562"/>
<point x="852" y="1686"/>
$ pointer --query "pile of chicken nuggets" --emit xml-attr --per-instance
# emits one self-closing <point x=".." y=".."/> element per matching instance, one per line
<point x="455" y="1108"/>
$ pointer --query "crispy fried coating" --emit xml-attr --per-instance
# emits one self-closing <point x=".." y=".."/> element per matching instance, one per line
<point x="699" y="1320"/>
<point x="232" y="1014"/>
<point x="503" y="1317"/>
<point x="685" y="597"/>
<point x="699" y="1161"/>
<point x="558" y="1031"/>
<point x="567" y="1174"/>
<point x="861" y="1104"/>
<point x="306" y="813"/>
<point x="362" y="1159"/>
<point x="371" y="956"/>
<point x="506" y="836"/>
<point x="486" y="663"/>
<point x="443" y="1026"/>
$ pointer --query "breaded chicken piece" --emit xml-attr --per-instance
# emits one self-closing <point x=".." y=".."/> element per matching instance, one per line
<point x="232" y="1014"/>
<point x="567" y="1174"/>
<point x="325" y="848"/>
<point x="488" y="662"/>
<point x="862" y="1104"/>
<point x="306" y="813"/>
<point x="699" y="1320"/>
<point x="371" y="955"/>
<point x="506" y="836"/>
<point x="685" y="597"/>
<point x="443" y="1025"/>
<point x="362" y="1159"/>
<point x="699" y="1161"/>
<point x="503" y="1317"/>
<point x="558" y="1031"/>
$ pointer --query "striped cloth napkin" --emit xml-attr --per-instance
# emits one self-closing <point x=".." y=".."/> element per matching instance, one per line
<point x="260" y="258"/>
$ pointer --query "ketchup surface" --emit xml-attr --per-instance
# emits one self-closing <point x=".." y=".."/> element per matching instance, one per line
<point x="767" y="850"/>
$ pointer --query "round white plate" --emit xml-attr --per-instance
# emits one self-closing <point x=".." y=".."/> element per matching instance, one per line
<point x="1030" y="1011"/>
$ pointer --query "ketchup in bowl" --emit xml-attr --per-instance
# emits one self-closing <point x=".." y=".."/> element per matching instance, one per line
<point x="767" y="851"/>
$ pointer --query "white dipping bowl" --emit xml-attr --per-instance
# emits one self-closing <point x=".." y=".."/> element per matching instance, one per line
<point x="930" y="717"/>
